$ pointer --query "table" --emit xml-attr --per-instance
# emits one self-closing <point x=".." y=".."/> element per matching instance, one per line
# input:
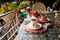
<point x="51" y="34"/>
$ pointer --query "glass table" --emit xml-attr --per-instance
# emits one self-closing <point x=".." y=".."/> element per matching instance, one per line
<point x="52" y="33"/>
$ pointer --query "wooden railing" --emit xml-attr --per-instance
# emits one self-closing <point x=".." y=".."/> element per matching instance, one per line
<point x="10" y="29"/>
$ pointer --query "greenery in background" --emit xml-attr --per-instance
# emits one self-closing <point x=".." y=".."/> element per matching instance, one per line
<point x="5" y="7"/>
<point x="22" y="5"/>
<point x="12" y="6"/>
<point x="8" y="6"/>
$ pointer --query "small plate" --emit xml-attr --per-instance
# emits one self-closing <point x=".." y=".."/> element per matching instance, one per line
<point x="32" y="27"/>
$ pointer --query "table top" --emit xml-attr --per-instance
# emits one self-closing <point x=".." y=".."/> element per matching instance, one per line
<point x="51" y="34"/>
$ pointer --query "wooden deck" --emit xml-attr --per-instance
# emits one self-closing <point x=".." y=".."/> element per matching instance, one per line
<point x="17" y="37"/>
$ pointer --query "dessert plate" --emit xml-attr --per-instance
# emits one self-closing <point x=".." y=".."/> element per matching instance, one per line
<point x="32" y="27"/>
